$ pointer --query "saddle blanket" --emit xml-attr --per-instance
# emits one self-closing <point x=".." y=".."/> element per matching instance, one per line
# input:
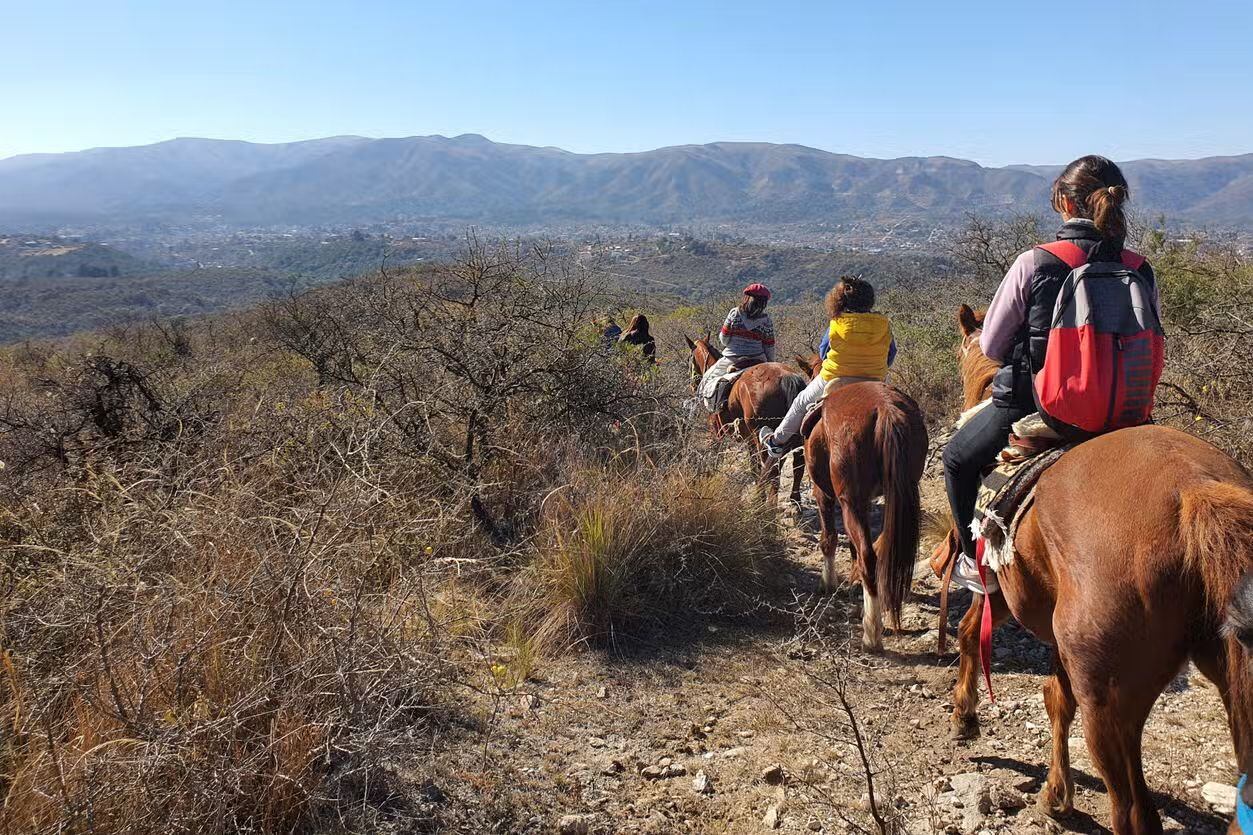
<point x="1008" y="490"/>
<point x="716" y="392"/>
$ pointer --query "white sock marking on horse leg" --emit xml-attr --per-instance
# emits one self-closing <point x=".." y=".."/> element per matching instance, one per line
<point x="871" y="621"/>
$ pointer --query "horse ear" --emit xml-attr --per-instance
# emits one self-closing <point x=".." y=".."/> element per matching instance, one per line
<point x="803" y="364"/>
<point x="966" y="320"/>
<point x="691" y="346"/>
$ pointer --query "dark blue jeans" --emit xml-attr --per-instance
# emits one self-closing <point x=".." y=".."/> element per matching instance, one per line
<point x="967" y="455"/>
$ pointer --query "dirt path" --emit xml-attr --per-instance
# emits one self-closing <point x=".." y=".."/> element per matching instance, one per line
<point x="724" y="728"/>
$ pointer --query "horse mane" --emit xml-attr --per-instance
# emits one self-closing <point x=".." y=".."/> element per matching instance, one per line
<point x="977" y="372"/>
<point x="975" y="368"/>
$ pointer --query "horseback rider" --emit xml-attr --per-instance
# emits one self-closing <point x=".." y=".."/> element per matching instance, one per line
<point x="1089" y="195"/>
<point x="747" y="337"/>
<point x="637" y="334"/>
<point x="859" y="349"/>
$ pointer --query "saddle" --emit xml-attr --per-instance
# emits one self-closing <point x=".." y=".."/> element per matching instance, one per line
<point x="1005" y="495"/>
<point x="722" y="389"/>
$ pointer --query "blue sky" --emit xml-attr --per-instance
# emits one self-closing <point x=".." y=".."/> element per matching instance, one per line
<point x="995" y="82"/>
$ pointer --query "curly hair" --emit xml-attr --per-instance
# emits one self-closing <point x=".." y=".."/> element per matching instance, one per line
<point x="849" y="295"/>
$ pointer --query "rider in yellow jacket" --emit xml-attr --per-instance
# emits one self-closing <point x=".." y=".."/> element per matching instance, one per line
<point x="858" y="348"/>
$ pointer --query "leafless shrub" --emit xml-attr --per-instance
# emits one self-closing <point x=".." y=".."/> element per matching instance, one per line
<point x="229" y="549"/>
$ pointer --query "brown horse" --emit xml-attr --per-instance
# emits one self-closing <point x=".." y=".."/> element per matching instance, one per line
<point x="759" y="397"/>
<point x="1125" y="564"/>
<point x="870" y="440"/>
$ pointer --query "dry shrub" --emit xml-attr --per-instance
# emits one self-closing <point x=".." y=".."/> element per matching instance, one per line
<point x="617" y="557"/>
<point x="242" y="655"/>
<point x="246" y="560"/>
<point x="1207" y="304"/>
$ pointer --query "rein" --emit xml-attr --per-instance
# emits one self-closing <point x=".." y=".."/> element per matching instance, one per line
<point x="969" y="342"/>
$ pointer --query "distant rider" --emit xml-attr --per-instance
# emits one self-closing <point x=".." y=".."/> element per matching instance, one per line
<point x="860" y="348"/>
<point x="1089" y="195"/>
<point x="637" y="334"/>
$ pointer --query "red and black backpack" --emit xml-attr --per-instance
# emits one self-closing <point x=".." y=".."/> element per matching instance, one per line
<point x="1106" y="349"/>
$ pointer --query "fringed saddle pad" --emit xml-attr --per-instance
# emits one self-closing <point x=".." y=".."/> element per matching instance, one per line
<point x="1004" y="497"/>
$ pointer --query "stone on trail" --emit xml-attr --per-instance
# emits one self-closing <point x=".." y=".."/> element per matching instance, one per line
<point x="575" y="825"/>
<point x="1007" y="799"/>
<point x="701" y="784"/>
<point x="772" y="818"/>
<point x="773" y="774"/>
<point x="1220" y="797"/>
<point x="971" y="795"/>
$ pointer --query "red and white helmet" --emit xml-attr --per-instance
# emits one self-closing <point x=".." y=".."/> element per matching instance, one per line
<point x="759" y="291"/>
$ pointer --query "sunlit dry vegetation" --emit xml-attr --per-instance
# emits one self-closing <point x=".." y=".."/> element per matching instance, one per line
<point x="253" y="563"/>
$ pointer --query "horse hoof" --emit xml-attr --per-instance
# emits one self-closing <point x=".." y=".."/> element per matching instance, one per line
<point x="964" y="727"/>
<point x="1052" y="806"/>
<point x="875" y="648"/>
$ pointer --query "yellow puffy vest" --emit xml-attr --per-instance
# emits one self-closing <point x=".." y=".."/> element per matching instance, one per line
<point x="859" y="346"/>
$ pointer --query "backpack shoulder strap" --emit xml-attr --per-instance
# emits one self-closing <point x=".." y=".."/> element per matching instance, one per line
<point x="1070" y="254"/>
<point x="1132" y="260"/>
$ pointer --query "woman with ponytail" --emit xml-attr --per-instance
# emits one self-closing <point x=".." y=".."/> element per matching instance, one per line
<point x="1089" y="195"/>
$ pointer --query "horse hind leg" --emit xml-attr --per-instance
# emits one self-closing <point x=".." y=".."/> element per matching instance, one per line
<point x="829" y="540"/>
<point x="1114" y="730"/>
<point x="1115" y="684"/>
<point x="855" y="525"/>
<point x="798" y="475"/>
<point x="1058" y="796"/>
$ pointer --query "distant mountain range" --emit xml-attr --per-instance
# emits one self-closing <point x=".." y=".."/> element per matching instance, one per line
<point x="349" y="180"/>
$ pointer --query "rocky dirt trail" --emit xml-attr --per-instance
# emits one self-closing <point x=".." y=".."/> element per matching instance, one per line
<point x="731" y="728"/>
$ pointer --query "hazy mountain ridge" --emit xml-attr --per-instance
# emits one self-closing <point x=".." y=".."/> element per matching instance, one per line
<point x="358" y="180"/>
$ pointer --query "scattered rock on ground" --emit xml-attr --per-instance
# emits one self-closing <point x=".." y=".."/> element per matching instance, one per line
<point x="574" y="825"/>
<point x="1220" y="796"/>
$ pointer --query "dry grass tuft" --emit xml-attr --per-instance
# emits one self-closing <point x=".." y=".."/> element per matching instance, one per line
<point x="934" y="529"/>
<point x="616" y="558"/>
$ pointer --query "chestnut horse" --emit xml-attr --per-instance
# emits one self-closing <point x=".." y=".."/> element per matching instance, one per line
<point x="1125" y="564"/>
<point x="759" y="397"/>
<point x="870" y="440"/>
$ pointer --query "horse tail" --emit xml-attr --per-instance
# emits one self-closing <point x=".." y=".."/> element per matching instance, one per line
<point x="1216" y="527"/>
<point x="793" y="385"/>
<point x="901" y="457"/>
